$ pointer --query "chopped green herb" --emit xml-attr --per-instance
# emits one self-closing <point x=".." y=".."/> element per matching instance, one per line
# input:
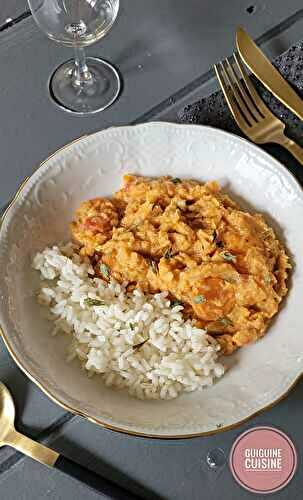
<point x="266" y="233"/>
<point x="134" y="227"/>
<point x="131" y="326"/>
<point x="176" y="180"/>
<point x="225" y="321"/>
<point x="267" y="280"/>
<point x="199" y="299"/>
<point x="230" y="279"/>
<point x="105" y="271"/>
<point x="175" y="303"/>
<point x="154" y="266"/>
<point x="168" y="254"/>
<point x="229" y="257"/>
<point x="93" y="302"/>
<point x="137" y="346"/>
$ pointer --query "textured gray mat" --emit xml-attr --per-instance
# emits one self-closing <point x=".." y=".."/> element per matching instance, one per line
<point x="214" y="111"/>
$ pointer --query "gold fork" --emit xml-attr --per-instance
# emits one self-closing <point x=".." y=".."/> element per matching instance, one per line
<point x="251" y="114"/>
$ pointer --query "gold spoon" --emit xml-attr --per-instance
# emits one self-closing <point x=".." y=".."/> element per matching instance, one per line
<point x="9" y="436"/>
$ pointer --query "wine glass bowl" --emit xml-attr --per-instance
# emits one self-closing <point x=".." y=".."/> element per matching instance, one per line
<point x="81" y="85"/>
<point x="56" y="17"/>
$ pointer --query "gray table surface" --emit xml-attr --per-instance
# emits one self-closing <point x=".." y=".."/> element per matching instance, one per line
<point x="11" y="10"/>
<point x="164" y="50"/>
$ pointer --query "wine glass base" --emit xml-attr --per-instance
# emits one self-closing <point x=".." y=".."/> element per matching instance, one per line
<point x="91" y="97"/>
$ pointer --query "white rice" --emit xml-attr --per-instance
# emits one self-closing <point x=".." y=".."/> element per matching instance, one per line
<point x="174" y="355"/>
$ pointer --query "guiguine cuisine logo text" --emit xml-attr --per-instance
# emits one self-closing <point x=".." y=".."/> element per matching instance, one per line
<point x="263" y="460"/>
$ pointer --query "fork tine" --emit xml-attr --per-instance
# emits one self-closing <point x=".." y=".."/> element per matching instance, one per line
<point x="253" y="94"/>
<point x="230" y="98"/>
<point x="237" y="96"/>
<point x="248" y="102"/>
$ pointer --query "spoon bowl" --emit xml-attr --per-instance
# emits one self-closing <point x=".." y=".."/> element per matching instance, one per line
<point x="9" y="436"/>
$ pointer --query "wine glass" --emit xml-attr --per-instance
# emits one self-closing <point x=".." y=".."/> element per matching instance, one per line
<point x="81" y="85"/>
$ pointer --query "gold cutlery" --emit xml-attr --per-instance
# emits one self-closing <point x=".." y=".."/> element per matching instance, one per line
<point x="262" y="68"/>
<point x="9" y="436"/>
<point x="251" y="114"/>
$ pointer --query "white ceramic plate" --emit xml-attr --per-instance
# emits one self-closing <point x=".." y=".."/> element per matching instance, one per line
<point x="259" y="375"/>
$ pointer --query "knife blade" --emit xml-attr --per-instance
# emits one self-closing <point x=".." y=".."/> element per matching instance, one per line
<point x="262" y="68"/>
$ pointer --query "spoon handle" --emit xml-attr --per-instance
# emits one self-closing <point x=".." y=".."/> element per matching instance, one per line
<point x="92" y="480"/>
<point x="49" y="457"/>
<point x="31" y="448"/>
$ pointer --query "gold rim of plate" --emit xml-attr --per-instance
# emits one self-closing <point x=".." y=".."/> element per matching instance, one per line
<point x="94" y="419"/>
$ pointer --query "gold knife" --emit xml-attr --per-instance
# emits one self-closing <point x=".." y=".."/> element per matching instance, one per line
<point x="262" y="68"/>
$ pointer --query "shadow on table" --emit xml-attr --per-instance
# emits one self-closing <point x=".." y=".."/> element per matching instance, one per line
<point x="87" y="459"/>
<point x="279" y="46"/>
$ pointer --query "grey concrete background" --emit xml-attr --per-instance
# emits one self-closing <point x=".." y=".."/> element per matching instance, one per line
<point x="164" y="50"/>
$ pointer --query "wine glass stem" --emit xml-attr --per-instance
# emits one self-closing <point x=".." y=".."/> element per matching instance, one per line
<point x="81" y="75"/>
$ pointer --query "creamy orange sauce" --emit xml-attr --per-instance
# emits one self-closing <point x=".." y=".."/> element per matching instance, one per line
<point x="225" y="265"/>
